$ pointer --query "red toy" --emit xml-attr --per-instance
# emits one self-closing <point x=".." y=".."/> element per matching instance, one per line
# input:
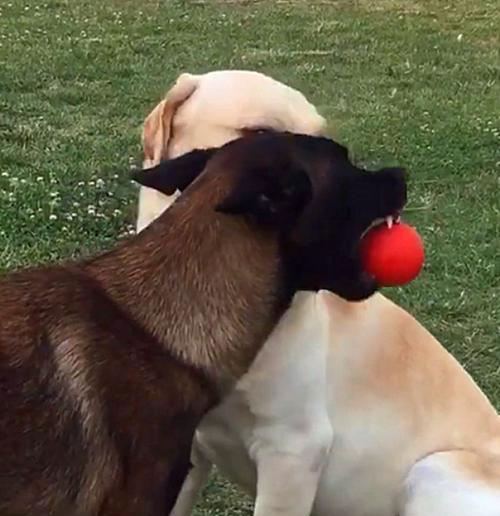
<point x="392" y="253"/>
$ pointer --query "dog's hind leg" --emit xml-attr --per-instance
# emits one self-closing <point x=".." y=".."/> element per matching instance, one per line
<point x="453" y="483"/>
<point x="193" y="483"/>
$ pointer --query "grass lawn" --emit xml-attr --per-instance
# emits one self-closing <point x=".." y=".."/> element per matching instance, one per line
<point x="412" y="82"/>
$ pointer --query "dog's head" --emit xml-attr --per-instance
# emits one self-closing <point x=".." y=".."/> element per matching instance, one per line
<point x="209" y="110"/>
<point x="307" y="191"/>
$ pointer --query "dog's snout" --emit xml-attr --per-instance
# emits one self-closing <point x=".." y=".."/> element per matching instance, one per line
<point x="401" y="186"/>
<point x="393" y="186"/>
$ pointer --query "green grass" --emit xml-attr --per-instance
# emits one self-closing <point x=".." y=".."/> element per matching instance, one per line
<point x="412" y="82"/>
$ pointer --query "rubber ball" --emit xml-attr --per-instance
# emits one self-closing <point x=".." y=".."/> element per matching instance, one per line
<point x="394" y="255"/>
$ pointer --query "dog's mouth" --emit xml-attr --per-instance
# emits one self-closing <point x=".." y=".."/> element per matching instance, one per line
<point x="388" y="220"/>
<point x="354" y="283"/>
<point x="329" y="255"/>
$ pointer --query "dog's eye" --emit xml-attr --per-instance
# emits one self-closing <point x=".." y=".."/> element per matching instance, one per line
<point x="248" y="131"/>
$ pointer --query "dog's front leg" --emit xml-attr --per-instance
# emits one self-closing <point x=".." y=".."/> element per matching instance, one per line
<point x="193" y="483"/>
<point x="288" y="475"/>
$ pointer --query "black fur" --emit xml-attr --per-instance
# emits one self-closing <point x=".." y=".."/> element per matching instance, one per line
<point x="175" y="174"/>
<point x="272" y="200"/>
<point x="307" y="189"/>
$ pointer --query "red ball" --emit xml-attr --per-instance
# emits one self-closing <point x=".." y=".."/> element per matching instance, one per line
<point x="393" y="256"/>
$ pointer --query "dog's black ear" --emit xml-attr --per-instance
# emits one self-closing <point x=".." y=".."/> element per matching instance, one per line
<point x="269" y="197"/>
<point x="174" y="174"/>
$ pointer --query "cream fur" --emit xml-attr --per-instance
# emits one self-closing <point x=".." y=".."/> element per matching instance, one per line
<point x="202" y="111"/>
<point x="350" y="409"/>
<point x="349" y="420"/>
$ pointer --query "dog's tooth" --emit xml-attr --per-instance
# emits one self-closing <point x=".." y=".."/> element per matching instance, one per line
<point x="398" y="219"/>
<point x="389" y="221"/>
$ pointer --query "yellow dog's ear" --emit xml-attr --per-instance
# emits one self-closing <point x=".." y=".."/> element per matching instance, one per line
<point x="158" y="124"/>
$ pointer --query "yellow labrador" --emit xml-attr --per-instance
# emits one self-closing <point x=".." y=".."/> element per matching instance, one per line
<point x="209" y="110"/>
<point x="350" y="409"/>
<point x="353" y="409"/>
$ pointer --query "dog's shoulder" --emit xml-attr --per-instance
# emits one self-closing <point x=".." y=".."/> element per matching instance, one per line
<point x="78" y="374"/>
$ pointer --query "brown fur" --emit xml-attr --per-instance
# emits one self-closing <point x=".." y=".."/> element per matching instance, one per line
<point x="107" y="366"/>
<point x="104" y="378"/>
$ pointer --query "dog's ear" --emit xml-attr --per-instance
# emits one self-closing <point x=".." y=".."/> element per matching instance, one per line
<point x="157" y="127"/>
<point x="269" y="197"/>
<point x="174" y="174"/>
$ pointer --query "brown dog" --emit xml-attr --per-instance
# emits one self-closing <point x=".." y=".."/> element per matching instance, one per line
<point x="107" y="366"/>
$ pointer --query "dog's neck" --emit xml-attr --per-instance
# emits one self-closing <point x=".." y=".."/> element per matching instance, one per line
<point x="203" y="284"/>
